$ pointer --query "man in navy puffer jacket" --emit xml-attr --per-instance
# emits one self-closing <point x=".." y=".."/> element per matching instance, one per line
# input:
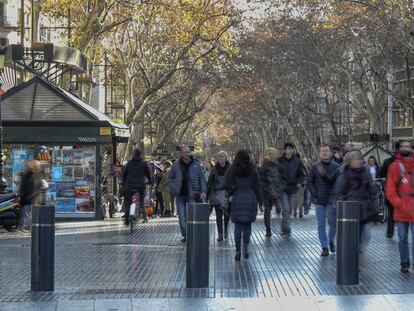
<point x="320" y="182"/>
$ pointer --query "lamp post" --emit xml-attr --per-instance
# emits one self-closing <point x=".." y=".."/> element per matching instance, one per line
<point x="3" y="182"/>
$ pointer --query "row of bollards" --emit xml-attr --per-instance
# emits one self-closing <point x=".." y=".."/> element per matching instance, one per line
<point x="197" y="258"/>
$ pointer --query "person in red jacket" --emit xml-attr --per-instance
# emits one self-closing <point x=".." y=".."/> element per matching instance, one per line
<point x="400" y="193"/>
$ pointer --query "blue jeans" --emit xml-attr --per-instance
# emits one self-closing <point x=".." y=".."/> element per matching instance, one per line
<point x="181" y="202"/>
<point x="288" y="201"/>
<point x="324" y="211"/>
<point x="403" y="244"/>
<point x="239" y="228"/>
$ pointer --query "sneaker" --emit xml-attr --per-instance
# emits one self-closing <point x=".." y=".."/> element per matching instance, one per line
<point x="145" y="221"/>
<point x="183" y="240"/>
<point x="405" y="268"/>
<point x="332" y="246"/>
<point x="325" y="252"/>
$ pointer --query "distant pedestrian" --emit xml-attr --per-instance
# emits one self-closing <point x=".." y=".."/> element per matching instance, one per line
<point x="187" y="181"/>
<point x="216" y="194"/>
<point x="209" y="165"/>
<point x="273" y="184"/>
<point x="355" y="184"/>
<point x="383" y="174"/>
<point x="293" y="175"/>
<point x="243" y="186"/>
<point x="137" y="175"/>
<point x="374" y="169"/>
<point x="400" y="193"/>
<point x="301" y="192"/>
<point x="320" y="182"/>
<point x="164" y="189"/>
<point x="30" y="189"/>
<point x="336" y="155"/>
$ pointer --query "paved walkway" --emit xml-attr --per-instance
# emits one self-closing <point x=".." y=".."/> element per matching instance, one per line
<point x="101" y="260"/>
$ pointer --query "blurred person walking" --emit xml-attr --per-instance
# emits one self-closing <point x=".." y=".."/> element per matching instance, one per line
<point x="216" y="194"/>
<point x="400" y="193"/>
<point x="242" y="184"/>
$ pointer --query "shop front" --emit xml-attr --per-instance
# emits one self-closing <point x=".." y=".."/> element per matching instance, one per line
<point x="67" y="136"/>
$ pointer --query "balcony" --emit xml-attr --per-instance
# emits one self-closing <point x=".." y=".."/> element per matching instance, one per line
<point x="8" y="22"/>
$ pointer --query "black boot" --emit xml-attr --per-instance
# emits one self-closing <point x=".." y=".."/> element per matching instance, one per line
<point x="332" y="246"/>
<point x="245" y="251"/>
<point x="237" y="257"/>
<point x="220" y="237"/>
<point x="268" y="231"/>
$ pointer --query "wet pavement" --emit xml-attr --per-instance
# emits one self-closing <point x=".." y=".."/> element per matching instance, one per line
<point x="102" y="261"/>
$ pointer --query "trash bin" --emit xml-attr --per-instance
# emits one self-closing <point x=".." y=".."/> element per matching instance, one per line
<point x="347" y="256"/>
<point x="198" y="238"/>
<point x="43" y="248"/>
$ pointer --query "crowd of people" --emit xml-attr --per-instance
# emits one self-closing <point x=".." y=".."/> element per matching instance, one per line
<point x="238" y="190"/>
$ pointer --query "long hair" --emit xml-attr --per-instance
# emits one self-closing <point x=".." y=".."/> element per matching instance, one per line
<point x="242" y="165"/>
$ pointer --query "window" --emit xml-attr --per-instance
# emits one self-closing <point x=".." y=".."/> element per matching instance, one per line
<point x="403" y="118"/>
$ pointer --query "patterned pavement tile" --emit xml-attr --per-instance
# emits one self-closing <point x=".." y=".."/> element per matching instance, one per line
<point x="102" y="260"/>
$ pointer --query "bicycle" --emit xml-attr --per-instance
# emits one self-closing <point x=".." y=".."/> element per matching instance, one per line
<point x="383" y="210"/>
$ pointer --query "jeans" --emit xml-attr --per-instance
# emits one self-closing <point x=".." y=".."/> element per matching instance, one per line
<point x="284" y="200"/>
<point x="181" y="202"/>
<point x="239" y="229"/>
<point x="25" y="217"/>
<point x="307" y="200"/>
<point x="219" y="220"/>
<point x="403" y="244"/>
<point x="323" y="212"/>
<point x="128" y="201"/>
<point x="293" y="200"/>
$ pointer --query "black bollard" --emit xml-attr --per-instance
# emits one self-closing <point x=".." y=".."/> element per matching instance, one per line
<point x="198" y="238"/>
<point x="347" y="256"/>
<point x="43" y="248"/>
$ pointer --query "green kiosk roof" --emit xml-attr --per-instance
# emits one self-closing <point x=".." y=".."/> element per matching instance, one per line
<point x="39" y="105"/>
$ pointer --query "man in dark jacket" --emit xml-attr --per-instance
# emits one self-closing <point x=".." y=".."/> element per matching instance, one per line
<point x="320" y="182"/>
<point x="272" y="184"/>
<point x="293" y="175"/>
<point x="136" y="175"/>
<point x="186" y="180"/>
<point x="383" y="174"/>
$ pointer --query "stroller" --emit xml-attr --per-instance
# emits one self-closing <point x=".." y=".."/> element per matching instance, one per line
<point x="9" y="211"/>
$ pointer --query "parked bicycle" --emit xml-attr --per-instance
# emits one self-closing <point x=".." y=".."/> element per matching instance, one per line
<point x="383" y="210"/>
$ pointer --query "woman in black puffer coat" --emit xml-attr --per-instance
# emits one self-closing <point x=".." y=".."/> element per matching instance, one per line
<point x="243" y="185"/>
<point x="216" y="194"/>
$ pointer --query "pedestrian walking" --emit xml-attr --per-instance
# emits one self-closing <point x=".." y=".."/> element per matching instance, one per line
<point x="320" y="182"/>
<point x="355" y="184"/>
<point x="137" y="175"/>
<point x="400" y="193"/>
<point x="29" y="192"/>
<point x="164" y="189"/>
<point x="209" y="165"/>
<point x="273" y="185"/>
<point x="243" y="186"/>
<point x="187" y="182"/>
<point x="300" y="193"/>
<point x="383" y="174"/>
<point x="293" y="176"/>
<point x="374" y="169"/>
<point x="216" y="194"/>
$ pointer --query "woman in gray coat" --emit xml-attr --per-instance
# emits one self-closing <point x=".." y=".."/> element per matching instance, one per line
<point x="243" y="186"/>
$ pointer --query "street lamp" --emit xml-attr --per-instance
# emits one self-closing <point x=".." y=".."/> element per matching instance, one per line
<point x="3" y="182"/>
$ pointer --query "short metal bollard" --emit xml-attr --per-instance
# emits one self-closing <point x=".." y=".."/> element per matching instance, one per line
<point x="347" y="257"/>
<point x="43" y="248"/>
<point x="198" y="238"/>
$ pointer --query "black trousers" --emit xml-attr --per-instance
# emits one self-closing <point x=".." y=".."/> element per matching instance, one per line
<point x="219" y="220"/>
<point x="128" y="201"/>
<point x="390" y="219"/>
